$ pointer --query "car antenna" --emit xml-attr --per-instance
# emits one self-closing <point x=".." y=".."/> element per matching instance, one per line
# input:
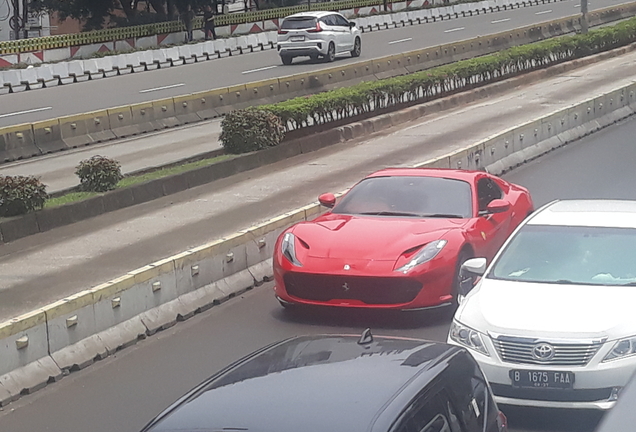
<point x="366" y="337"/>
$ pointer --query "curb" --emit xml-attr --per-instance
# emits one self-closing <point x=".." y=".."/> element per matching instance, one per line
<point x="18" y="227"/>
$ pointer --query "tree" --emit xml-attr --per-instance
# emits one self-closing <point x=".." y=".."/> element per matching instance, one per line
<point x="95" y="14"/>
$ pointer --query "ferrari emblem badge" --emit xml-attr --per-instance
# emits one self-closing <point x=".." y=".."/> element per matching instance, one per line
<point x="347" y="267"/>
<point x="483" y="235"/>
<point x="345" y="286"/>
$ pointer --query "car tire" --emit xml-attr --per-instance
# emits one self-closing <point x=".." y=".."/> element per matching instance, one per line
<point x="331" y="53"/>
<point x="464" y="255"/>
<point x="287" y="60"/>
<point x="357" y="48"/>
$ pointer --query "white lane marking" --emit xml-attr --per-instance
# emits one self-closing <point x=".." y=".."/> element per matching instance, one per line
<point x="259" y="69"/>
<point x="499" y="21"/>
<point x="577" y="6"/>
<point x="400" y="40"/>
<point x="454" y="30"/>
<point x="25" y="112"/>
<point x="543" y="12"/>
<point x="162" y="88"/>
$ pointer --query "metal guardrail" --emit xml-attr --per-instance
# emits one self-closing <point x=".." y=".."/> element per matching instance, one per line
<point x="114" y="34"/>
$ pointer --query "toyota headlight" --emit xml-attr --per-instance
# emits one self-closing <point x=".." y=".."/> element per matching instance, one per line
<point x="288" y="249"/>
<point x="425" y="254"/>
<point x="622" y="348"/>
<point x="467" y="337"/>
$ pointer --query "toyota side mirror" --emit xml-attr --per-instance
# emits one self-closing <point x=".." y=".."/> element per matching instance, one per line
<point x="327" y="199"/>
<point x="468" y="273"/>
<point x="352" y="24"/>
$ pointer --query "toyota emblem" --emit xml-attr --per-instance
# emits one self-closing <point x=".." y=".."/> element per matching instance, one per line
<point x="543" y="351"/>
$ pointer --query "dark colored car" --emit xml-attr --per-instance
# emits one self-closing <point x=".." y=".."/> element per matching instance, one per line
<point x="341" y="383"/>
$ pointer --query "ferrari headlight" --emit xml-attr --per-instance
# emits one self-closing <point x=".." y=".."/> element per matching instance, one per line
<point x="425" y="254"/>
<point x="622" y="348"/>
<point x="288" y="249"/>
<point x="467" y="337"/>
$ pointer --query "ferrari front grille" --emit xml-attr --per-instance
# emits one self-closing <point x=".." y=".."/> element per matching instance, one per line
<point x="370" y="290"/>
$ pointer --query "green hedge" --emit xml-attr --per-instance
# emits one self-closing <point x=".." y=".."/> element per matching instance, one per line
<point x="349" y="102"/>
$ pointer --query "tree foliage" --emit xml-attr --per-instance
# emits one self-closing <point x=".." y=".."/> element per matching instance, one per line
<point x="96" y="14"/>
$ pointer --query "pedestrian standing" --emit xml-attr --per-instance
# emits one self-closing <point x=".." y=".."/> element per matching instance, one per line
<point x="208" y="18"/>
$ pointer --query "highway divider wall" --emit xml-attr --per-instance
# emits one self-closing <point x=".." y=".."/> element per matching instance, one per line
<point x="43" y="345"/>
<point x="28" y="140"/>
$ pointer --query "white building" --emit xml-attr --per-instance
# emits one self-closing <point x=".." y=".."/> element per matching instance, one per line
<point x="36" y="25"/>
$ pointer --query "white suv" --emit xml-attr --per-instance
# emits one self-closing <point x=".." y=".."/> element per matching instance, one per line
<point x="552" y="322"/>
<point x="317" y="34"/>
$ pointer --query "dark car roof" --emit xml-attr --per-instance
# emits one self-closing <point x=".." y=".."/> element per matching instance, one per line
<point x="311" y="383"/>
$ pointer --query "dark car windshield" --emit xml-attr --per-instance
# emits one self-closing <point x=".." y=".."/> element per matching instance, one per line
<point x="563" y="254"/>
<point x="413" y="196"/>
<point x="298" y="23"/>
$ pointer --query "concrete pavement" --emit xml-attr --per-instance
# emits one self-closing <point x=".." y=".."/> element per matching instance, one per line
<point x="45" y="267"/>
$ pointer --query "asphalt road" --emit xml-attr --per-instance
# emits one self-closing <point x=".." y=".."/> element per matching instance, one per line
<point x="42" y="104"/>
<point x="123" y="392"/>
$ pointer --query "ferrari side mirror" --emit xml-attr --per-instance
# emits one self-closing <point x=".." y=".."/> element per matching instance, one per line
<point x="327" y="199"/>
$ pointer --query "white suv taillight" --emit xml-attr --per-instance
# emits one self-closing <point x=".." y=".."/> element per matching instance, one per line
<point x="282" y="31"/>
<point x="317" y="29"/>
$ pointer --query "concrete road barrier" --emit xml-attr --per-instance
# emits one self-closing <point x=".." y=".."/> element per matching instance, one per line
<point x="45" y="75"/>
<point x="92" y="69"/>
<point x="106" y="66"/>
<point x="48" y="136"/>
<point x="12" y="79"/>
<point x="77" y="71"/>
<point x="17" y="142"/>
<point x="29" y="77"/>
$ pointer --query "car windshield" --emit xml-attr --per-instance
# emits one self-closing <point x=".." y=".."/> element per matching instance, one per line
<point x="410" y="196"/>
<point x="577" y="255"/>
<point x="299" y="23"/>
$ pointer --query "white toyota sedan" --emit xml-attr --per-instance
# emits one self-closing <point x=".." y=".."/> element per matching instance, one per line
<point x="318" y="34"/>
<point x="552" y="320"/>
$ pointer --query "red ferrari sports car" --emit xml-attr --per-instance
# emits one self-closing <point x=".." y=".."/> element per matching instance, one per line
<point x="397" y="239"/>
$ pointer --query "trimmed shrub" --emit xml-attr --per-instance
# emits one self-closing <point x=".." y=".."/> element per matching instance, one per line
<point x="251" y="129"/>
<point x="98" y="174"/>
<point x="20" y="195"/>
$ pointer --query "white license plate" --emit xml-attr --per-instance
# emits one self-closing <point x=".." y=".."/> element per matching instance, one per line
<point x="297" y="38"/>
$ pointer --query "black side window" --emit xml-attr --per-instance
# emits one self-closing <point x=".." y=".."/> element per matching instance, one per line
<point x="487" y="190"/>
<point x="429" y="414"/>
<point x="341" y="21"/>
<point x="470" y="394"/>
<point x="329" y="20"/>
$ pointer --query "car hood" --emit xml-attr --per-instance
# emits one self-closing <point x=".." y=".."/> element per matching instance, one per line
<point x="372" y="238"/>
<point x="550" y="310"/>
